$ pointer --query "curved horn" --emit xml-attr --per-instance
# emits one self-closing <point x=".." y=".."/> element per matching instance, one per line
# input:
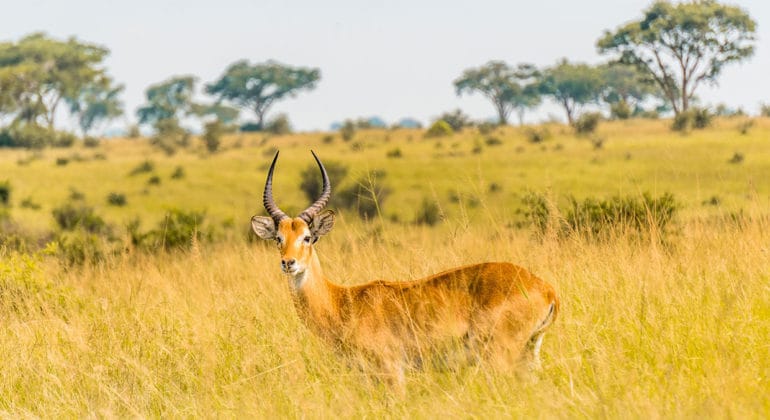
<point x="267" y="197"/>
<point x="319" y="204"/>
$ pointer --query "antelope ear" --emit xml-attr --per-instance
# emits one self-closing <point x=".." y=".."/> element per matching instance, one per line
<point x="263" y="226"/>
<point x="322" y="224"/>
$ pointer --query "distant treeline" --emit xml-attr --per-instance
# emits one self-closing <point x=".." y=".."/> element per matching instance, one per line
<point x="656" y="64"/>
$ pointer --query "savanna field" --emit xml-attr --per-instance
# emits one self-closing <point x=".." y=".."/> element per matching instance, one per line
<point x="108" y="317"/>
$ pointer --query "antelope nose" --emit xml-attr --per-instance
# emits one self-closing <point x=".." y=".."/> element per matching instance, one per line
<point x="288" y="264"/>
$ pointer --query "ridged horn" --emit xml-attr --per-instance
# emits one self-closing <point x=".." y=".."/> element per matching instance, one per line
<point x="267" y="197"/>
<point x="319" y="204"/>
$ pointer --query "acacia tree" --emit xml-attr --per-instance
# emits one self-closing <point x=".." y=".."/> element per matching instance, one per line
<point x="508" y="88"/>
<point x="572" y="85"/>
<point x="38" y="73"/>
<point x="168" y="100"/>
<point x="682" y="45"/>
<point x="625" y="88"/>
<point x="96" y="102"/>
<point x="257" y="87"/>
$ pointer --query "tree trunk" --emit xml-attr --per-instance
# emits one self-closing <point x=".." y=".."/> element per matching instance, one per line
<point x="568" y="108"/>
<point x="501" y="114"/>
<point x="520" y="114"/>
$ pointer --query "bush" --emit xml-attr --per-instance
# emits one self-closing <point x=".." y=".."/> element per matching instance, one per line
<point x="5" y="193"/>
<point x="91" y="142"/>
<point x="28" y="136"/>
<point x="439" y="128"/>
<point x="70" y="217"/>
<point x="486" y="127"/>
<point x="178" y="173"/>
<point x="62" y="161"/>
<point x="697" y="118"/>
<point x="587" y="123"/>
<point x="28" y="203"/>
<point x="279" y="125"/>
<point x="153" y="180"/>
<point x="493" y="141"/>
<point x="169" y="136"/>
<point x="78" y="248"/>
<point x="176" y="231"/>
<point x="133" y="132"/>
<point x="737" y="158"/>
<point x="116" y="199"/>
<point x="144" y="167"/>
<point x="599" y="217"/>
<point x="212" y="132"/>
<point x="395" y="153"/>
<point x="537" y="135"/>
<point x="311" y="182"/>
<point x="456" y="119"/>
<point x="620" y="110"/>
<point x="367" y="196"/>
<point x="348" y="130"/>
<point x="702" y="118"/>
<point x="428" y="213"/>
<point x="63" y="139"/>
<point x="764" y="110"/>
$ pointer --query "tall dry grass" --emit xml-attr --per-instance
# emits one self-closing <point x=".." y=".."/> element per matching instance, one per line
<point x="648" y="329"/>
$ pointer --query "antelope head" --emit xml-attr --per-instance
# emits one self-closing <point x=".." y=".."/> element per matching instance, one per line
<point x="295" y="236"/>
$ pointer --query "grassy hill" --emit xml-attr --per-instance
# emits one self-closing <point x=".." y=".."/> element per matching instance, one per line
<point x="650" y="326"/>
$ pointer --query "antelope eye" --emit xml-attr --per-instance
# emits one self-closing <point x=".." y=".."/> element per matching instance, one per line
<point x="307" y="239"/>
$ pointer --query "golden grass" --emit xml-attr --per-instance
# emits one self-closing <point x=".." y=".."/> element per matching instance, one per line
<point x="648" y="329"/>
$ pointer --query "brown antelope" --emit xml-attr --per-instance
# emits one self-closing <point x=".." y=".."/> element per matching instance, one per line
<point x="495" y="310"/>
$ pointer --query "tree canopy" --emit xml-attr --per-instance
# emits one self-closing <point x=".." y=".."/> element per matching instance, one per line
<point x="38" y="72"/>
<point x="258" y="86"/>
<point x="99" y="101"/>
<point x="572" y="85"/>
<point x="508" y="88"/>
<point x="168" y="100"/>
<point x="680" y="46"/>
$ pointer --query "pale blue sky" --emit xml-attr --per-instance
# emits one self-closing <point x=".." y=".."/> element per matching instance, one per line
<point x="388" y="58"/>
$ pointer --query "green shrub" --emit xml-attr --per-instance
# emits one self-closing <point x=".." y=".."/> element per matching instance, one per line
<point x="311" y="182"/>
<point x="212" y="133"/>
<point x="116" y="199"/>
<point x="134" y="132"/>
<point x="737" y="158"/>
<point x="70" y="217"/>
<point x="279" y="125"/>
<point x="177" y="230"/>
<point x="620" y="110"/>
<point x="28" y="203"/>
<point x="62" y="161"/>
<point x="598" y="218"/>
<point x="81" y="247"/>
<point x="493" y="141"/>
<point x="348" y="130"/>
<point x="395" y="153"/>
<point x="144" y="167"/>
<point x="537" y="135"/>
<point x="153" y="180"/>
<point x="178" y="173"/>
<point x="587" y="123"/>
<point x="63" y="139"/>
<point x="428" y="213"/>
<point x="702" y="118"/>
<point x="486" y="127"/>
<point x="367" y="196"/>
<point x="439" y="128"/>
<point x="169" y="136"/>
<point x="28" y="136"/>
<point x="693" y="118"/>
<point x="764" y="110"/>
<point x="5" y="193"/>
<point x="456" y="119"/>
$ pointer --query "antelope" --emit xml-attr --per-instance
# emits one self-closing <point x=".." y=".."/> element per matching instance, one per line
<point x="496" y="311"/>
